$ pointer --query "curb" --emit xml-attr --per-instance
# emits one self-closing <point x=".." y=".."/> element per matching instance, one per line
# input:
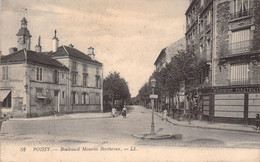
<point x="53" y="118"/>
<point x="203" y="127"/>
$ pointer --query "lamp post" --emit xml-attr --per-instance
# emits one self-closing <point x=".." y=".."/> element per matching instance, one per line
<point x="152" y="96"/>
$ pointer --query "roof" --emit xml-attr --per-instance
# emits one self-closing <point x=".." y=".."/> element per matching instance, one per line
<point x="73" y="53"/>
<point x="161" y="55"/>
<point x="32" y="58"/>
<point x="172" y="50"/>
<point x="23" y="31"/>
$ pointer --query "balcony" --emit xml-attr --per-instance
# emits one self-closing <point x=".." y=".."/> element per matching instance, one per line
<point x="239" y="81"/>
<point x="240" y="47"/>
<point x="242" y="14"/>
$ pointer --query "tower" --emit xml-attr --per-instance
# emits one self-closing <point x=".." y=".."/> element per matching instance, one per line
<point x="24" y="36"/>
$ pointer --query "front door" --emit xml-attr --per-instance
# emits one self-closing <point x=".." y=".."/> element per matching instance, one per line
<point x="57" y="101"/>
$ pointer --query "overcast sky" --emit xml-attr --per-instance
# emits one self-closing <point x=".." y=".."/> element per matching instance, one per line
<point x="127" y="35"/>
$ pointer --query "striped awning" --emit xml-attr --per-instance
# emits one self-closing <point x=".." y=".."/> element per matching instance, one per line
<point x="4" y="94"/>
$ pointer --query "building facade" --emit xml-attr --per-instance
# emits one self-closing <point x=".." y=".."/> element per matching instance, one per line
<point x="32" y="84"/>
<point x="162" y="60"/>
<point x="229" y="32"/>
<point x="36" y="83"/>
<point x="85" y="78"/>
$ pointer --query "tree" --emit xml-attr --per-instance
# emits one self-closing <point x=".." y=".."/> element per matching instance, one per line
<point x="115" y="88"/>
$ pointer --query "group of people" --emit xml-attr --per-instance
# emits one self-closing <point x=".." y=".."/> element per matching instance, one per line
<point x="114" y="110"/>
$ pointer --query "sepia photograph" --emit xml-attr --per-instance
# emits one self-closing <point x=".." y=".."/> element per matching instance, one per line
<point x="129" y="80"/>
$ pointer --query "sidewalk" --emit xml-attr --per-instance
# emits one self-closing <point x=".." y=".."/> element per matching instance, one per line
<point x="207" y="125"/>
<point x="68" y="116"/>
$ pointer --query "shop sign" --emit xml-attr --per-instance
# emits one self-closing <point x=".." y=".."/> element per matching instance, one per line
<point x="237" y="90"/>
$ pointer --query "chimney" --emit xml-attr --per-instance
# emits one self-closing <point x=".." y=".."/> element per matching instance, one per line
<point x="71" y="45"/>
<point x="38" y="47"/>
<point x="12" y="50"/>
<point x="91" y="53"/>
<point x="55" y="42"/>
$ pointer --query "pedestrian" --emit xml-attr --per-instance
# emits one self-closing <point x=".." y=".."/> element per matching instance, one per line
<point x="124" y="112"/>
<point x="257" y="121"/>
<point x="164" y="116"/>
<point x="113" y="112"/>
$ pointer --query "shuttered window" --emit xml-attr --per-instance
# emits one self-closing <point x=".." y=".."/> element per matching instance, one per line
<point x="240" y="41"/>
<point x="240" y="35"/>
<point x="239" y="73"/>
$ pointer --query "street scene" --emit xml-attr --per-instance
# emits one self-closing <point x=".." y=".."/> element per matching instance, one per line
<point x="168" y="80"/>
<point x="96" y="131"/>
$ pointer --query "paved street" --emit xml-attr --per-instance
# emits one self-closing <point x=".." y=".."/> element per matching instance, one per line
<point x="105" y="131"/>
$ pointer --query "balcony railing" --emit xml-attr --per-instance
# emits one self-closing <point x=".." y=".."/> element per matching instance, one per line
<point x="241" y="47"/>
<point x="243" y="13"/>
<point x="240" y="81"/>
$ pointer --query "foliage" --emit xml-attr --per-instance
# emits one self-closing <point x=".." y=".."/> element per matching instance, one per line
<point x="184" y="68"/>
<point x="115" y="88"/>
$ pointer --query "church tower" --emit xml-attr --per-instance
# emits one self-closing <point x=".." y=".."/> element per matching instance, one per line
<point x="24" y="37"/>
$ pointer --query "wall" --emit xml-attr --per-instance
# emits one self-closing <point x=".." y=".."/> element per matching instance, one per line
<point x="15" y="83"/>
<point x="90" y="88"/>
<point x="223" y="12"/>
<point x="47" y="106"/>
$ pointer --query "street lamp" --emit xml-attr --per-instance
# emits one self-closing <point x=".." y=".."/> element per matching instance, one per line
<point x="152" y="96"/>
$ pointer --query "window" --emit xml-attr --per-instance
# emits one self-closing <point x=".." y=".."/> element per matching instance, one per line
<point x="74" y="98"/>
<point x="97" y="82"/>
<point x="7" y="102"/>
<point x="74" y="78"/>
<point x="56" y="76"/>
<point x="85" y="68"/>
<point x="240" y="41"/>
<point x="241" y="5"/>
<point x="74" y="65"/>
<point x="5" y="72"/>
<point x="97" y="98"/>
<point x="97" y="70"/>
<point x="39" y="91"/>
<point x="242" y="8"/>
<point x="239" y="73"/>
<point x="85" y="98"/>
<point x="85" y="83"/>
<point x="63" y="94"/>
<point x="39" y="73"/>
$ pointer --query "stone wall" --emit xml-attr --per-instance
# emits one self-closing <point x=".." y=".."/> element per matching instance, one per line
<point x="222" y="42"/>
<point x="256" y="42"/>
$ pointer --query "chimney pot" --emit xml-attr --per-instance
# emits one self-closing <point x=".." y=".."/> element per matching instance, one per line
<point x="12" y="50"/>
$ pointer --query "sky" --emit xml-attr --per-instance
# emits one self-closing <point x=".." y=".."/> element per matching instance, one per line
<point x="128" y="35"/>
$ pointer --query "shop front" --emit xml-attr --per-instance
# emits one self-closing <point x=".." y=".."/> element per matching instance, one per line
<point x="229" y="104"/>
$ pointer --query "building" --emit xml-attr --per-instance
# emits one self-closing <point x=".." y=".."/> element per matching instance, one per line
<point x="168" y="52"/>
<point x="85" y="78"/>
<point x="162" y="60"/>
<point x="228" y="32"/>
<point x="36" y="83"/>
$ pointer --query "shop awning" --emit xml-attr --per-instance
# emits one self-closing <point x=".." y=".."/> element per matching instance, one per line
<point x="4" y="94"/>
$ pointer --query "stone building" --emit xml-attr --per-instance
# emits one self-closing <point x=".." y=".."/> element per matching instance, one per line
<point x="36" y="83"/>
<point x="162" y="60"/>
<point x="229" y="33"/>
<point x="84" y="79"/>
